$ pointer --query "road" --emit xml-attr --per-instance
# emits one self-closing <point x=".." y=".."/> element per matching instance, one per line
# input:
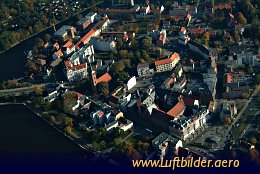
<point x="18" y="91"/>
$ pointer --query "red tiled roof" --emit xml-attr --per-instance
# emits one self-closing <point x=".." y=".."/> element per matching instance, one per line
<point x="59" y="53"/>
<point x="188" y="16"/>
<point x="86" y="37"/>
<point x="183" y="29"/>
<point x="157" y="11"/>
<point x="168" y="60"/>
<point x="197" y="31"/>
<point x="104" y="78"/>
<point x="229" y="77"/>
<point x="161" y="37"/>
<point x="222" y="6"/>
<point x="177" y="109"/>
<point x="191" y="8"/>
<point x="77" y="67"/>
<point x="179" y="16"/>
<point x="68" y="44"/>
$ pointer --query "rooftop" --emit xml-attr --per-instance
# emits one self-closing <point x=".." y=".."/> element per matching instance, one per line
<point x="168" y="60"/>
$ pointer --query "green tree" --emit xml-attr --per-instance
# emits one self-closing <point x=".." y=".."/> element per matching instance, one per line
<point x="47" y="37"/>
<point x="67" y="122"/>
<point x="39" y="42"/>
<point x="146" y="43"/>
<point x="258" y="79"/>
<point x="241" y="18"/>
<point x="252" y="140"/>
<point x="103" y="88"/>
<point x="68" y="130"/>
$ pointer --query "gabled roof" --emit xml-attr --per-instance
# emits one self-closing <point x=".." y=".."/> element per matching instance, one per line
<point x="104" y="78"/>
<point x="59" y="53"/>
<point x="68" y="44"/>
<point x="177" y="109"/>
<point x="168" y="60"/>
<point x="188" y="16"/>
<point x="85" y="37"/>
<point x="183" y="29"/>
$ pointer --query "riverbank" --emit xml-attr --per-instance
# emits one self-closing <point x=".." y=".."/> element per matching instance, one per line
<point x="47" y="28"/>
<point x="20" y="115"/>
<point x="13" y="60"/>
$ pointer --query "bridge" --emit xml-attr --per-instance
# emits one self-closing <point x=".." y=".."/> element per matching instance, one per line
<point x="19" y="91"/>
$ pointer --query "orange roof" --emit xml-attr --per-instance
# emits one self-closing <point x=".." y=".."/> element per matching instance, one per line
<point x="222" y="6"/>
<point x="177" y="109"/>
<point x="100" y="114"/>
<point x="77" y="67"/>
<point x="183" y="29"/>
<point x="191" y="8"/>
<point x="86" y="37"/>
<point x="59" y="53"/>
<point x="188" y="16"/>
<point x="104" y="78"/>
<point x="161" y="37"/>
<point x="68" y="44"/>
<point x="229" y="77"/>
<point x="197" y="31"/>
<point x="168" y="60"/>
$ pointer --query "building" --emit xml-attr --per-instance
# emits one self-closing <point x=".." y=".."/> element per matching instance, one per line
<point x="94" y="31"/>
<point x="143" y="69"/>
<point x="74" y="72"/>
<point x="199" y="49"/>
<point x="65" y="32"/>
<point x="228" y="110"/>
<point x="187" y="128"/>
<point x="167" y="64"/>
<point x="83" y="23"/>
<point x="68" y="48"/>
<point x="161" y="39"/>
<point x="165" y="144"/>
<point x="57" y="54"/>
<point x="102" y="44"/>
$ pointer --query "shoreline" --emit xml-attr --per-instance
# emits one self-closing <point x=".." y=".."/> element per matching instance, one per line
<point x="46" y="28"/>
<point x="89" y="150"/>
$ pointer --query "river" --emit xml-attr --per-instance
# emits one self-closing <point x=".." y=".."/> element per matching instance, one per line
<point x="13" y="60"/>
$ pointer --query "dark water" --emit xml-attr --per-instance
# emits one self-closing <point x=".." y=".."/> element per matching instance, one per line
<point x="25" y="135"/>
<point x="12" y="61"/>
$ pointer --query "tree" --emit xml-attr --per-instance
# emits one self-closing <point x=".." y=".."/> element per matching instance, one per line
<point x="31" y="66"/>
<point x="67" y="122"/>
<point x="237" y="36"/>
<point x="68" y="130"/>
<point x="53" y="119"/>
<point x="103" y="88"/>
<point x="38" y="90"/>
<point x="252" y="140"/>
<point x="258" y="79"/>
<point x="146" y="43"/>
<point x="241" y="18"/>
<point x="102" y="145"/>
<point x="39" y="42"/>
<point x="227" y="121"/>
<point x="47" y="37"/>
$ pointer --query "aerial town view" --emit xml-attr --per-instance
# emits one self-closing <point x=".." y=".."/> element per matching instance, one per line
<point x="129" y="85"/>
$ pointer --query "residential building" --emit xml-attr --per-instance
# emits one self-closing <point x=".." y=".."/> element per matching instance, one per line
<point x="102" y="44"/>
<point x="143" y="70"/>
<point x="161" y="39"/>
<point x="73" y="72"/>
<point x="187" y="128"/>
<point x="167" y="64"/>
<point x="166" y="145"/>
<point x="65" y="32"/>
<point x="57" y="54"/>
<point x="228" y="109"/>
<point x="68" y="48"/>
